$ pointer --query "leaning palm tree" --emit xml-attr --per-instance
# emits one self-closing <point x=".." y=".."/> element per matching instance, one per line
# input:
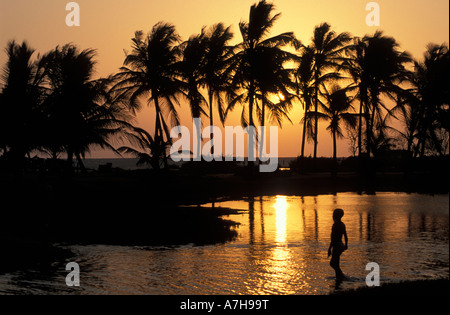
<point x="329" y="51"/>
<point x="149" y="72"/>
<point x="246" y="62"/>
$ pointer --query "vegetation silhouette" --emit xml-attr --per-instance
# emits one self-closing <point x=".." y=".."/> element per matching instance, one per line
<point x="51" y="104"/>
<point x="149" y="71"/>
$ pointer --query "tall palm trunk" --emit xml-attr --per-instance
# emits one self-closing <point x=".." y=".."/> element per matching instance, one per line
<point x="335" y="165"/>
<point x="159" y="135"/>
<point x="363" y="110"/>
<point x="263" y="121"/>
<point x="316" y="117"/>
<point x="251" y="122"/>
<point x="304" y="133"/>
<point x="211" y="119"/>
<point x="334" y="147"/>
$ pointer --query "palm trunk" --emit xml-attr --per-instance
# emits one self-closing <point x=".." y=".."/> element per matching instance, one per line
<point x="211" y="121"/>
<point x="263" y="121"/>
<point x="80" y="163"/>
<point x="316" y="118"/>
<point x="334" y="154"/>
<point x="368" y="132"/>
<point x="304" y="133"/>
<point x="334" y="147"/>
<point x="361" y="106"/>
<point x="250" y="121"/>
<point x="158" y="132"/>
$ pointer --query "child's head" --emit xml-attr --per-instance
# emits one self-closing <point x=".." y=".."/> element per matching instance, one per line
<point x="338" y="214"/>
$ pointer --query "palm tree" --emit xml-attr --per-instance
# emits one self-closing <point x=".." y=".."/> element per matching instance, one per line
<point x="274" y="87"/>
<point x="150" y="71"/>
<point x="337" y="112"/>
<point x="305" y="90"/>
<point x="329" y="51"/>
<point x="147" y="147"/>
<point x="248" y="74"/>
<point x="22" y="94"/>
<point x="273" y="79"/>
<point x="215" y="70"/>
<point x="354" y="65"/>
<point x="190" y="70"/>
<point x="377" y="68"/>
<point x="429" y="109"/>
<point x="79" y="111"/>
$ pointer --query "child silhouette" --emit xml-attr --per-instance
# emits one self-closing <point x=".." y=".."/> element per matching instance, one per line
<point x="336" y="246"/>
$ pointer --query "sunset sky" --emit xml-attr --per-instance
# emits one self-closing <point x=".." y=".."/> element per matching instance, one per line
<point x="108" y="26"/>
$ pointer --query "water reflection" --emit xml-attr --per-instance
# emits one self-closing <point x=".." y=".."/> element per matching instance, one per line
<point x="281" y="207"/>
<point x="387" y="228"/>
<point x="281" y="249"/>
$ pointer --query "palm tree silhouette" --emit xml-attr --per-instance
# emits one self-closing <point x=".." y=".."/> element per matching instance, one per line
<point x="216" y="71"/>
<point x="427" y="112"/>
<point x="329" y="50"/>
<point x="337" y="112"/>
<point x="147" y="147"/>
<point x="378" y="68"/>
<point x="22" y="94"/>
<point x="305" y="91"/>
<point x="149" y="71"/>
<point x="79" y="111"/>
<point x="248" y="73"/>
<point x="190" y="70"/>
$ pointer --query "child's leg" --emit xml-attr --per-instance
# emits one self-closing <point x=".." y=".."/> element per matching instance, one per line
<point x="335" y="263"/>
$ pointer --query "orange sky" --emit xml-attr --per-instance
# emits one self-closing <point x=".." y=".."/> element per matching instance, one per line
<point x="108" y="25"/>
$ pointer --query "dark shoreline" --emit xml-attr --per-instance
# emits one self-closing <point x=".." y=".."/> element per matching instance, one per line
<point x="119" y="206"/>
<point x="436" y="287"/>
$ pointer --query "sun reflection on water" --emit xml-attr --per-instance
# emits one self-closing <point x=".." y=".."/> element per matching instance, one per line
<point x="281" y="206"/>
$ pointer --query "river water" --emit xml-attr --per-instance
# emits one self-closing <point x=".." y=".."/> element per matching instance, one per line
<point x="281" y="248"/>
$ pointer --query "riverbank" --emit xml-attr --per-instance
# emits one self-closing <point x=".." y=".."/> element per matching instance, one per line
<point x="439" y="287"/>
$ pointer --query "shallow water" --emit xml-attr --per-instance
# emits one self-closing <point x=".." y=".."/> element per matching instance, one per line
<point x="281" y="248"/>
